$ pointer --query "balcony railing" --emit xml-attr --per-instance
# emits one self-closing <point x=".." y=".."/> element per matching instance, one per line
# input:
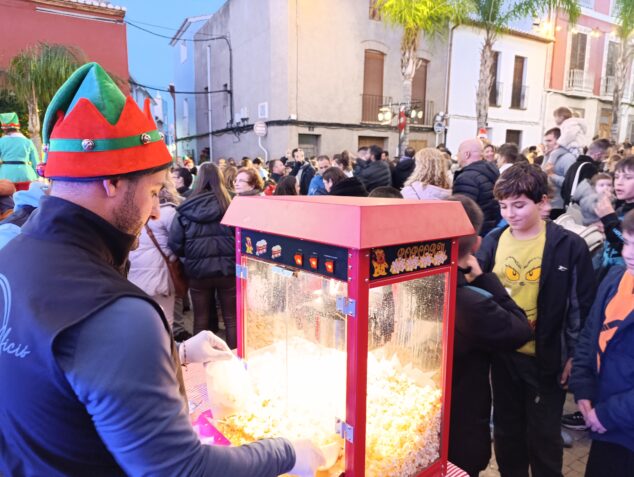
<point x="495" y="96"/>
<point x="607" y="86"/>
<point x="427" y="110"/>
<point x="370" y="105"/>
<point x="580" y="81"/>
<point x="519" y="97"/>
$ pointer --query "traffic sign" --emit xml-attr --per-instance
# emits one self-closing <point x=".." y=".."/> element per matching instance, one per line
<point x="439" y="127"/>
<point x="259" y="128"/>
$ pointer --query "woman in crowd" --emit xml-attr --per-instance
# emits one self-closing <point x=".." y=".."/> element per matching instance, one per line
<point x="248" y="182"/>
<point x="288" y="185"/>
<point x="337" y="183"/>
<point x="489" y="153"/>
<point x="430" y="179"/>
<point x="343" y="162"/>
<point x="208" y="248"/>
<point x="148" y="269"/>
<point x="229" y="176"/>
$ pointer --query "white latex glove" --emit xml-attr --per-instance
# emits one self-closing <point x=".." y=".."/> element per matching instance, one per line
<point x="308" y="458"/>
<point x="204" y="347"/>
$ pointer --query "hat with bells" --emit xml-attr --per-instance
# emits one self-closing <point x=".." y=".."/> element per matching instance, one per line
<point x="9" y="121"/>
<point x="91" y="130"/>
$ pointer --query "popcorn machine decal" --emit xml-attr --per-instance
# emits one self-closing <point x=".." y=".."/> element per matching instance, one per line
<point x="347" y="330"/>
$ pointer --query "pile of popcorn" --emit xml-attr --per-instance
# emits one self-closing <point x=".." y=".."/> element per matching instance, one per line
<point x="403" y="407"/>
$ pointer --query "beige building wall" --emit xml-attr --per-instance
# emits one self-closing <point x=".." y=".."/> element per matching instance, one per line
<point x="305" y="61"/>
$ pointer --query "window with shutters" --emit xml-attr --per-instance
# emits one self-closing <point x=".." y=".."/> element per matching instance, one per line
<point x="610" y="64"/>
<point x="518" y="93"/>
<point x="372" y="98"/>
<point x="495" y="94"/>
<point x="514" y="136"/>
<point x="578" y="51"/>
<point x="419" y="91"/>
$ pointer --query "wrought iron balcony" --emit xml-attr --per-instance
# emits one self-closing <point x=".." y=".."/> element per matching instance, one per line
<point x="580" y="81"/>
<point x="519" y="97"/>
<point x="370" y="105"/>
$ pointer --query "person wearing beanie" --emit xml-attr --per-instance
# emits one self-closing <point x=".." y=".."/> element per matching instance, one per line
<point x="18" y="156"/>
<point x="90" y="374"/>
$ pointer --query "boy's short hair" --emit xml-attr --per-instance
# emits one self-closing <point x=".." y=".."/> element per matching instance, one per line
<point x="625" y="164"/>
<point x="628" y="223"/>
<point x="563" y="112"/>
<point x="386" y="192"/>
<point x="476" y="217"/>
<point x="601" y="176"/>
<point x="522" y="179"/>
<point x="556" y="132"/>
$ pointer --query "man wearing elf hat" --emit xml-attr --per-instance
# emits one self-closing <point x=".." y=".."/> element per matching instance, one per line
<point x="89" y="373"/>
<point x="18" y="156"/>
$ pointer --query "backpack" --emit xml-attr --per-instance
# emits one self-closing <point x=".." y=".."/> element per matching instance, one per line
<point x="590" y="233"/>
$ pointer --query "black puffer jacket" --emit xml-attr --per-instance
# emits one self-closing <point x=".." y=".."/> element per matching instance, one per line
<point x="476" y="181"/>
<point x="349" y="187"/>
<point x="207" y="246"/>
<point x="402" y="171"/>
<point x="375" y="174"/>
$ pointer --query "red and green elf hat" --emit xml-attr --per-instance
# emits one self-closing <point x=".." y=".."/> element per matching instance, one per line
<point x="91" y="130"/>
<point x="9" y="121"/>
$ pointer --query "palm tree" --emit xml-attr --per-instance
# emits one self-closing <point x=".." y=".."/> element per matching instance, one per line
<point x="624" y="10"/>
<point x="35" y="74"/>
<point x="494" y="17"/>
<point x="428" y="17"/>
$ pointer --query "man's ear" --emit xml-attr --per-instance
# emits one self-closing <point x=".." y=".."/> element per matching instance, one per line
<point x="476" y="245"/>
<point x="111" y="187"/>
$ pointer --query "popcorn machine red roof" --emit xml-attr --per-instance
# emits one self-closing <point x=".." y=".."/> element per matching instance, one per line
<point x="345" y="321"/>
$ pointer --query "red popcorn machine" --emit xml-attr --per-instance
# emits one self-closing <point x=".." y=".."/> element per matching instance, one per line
<point x="345" y="322"/>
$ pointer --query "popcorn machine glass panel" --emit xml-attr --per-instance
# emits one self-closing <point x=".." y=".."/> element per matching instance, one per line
<point x="404" y="395"/>
<point x="295" y="349"/>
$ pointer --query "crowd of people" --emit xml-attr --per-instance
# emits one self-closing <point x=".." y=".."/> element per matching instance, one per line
<point x="539" y="311"/>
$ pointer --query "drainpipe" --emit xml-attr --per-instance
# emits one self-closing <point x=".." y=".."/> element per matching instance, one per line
<point x="449" y="53"/>
<point x="209" y="102"/>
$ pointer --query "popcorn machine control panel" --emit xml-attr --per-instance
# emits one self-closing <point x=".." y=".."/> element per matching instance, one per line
<point x="322" y="259"/>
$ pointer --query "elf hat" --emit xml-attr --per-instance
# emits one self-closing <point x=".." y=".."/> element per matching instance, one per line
<point x="9" y="121"/>
<point x="91" y="130"/>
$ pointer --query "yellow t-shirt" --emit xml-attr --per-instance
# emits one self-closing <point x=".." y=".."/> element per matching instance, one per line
<point x="518" y="265"/>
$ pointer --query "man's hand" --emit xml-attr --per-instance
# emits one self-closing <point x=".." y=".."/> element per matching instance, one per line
<point x="565" y="374"/>
<point x="549" y="168"/>
<point x="204" y="347"/>
<point x="604" y="205"/>
<point x="593" y="421"/>
<point x="308" y="458"/>
<point x="585" y="406"/>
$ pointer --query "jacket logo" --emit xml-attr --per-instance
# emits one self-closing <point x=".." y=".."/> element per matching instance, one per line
<point x="561" y="268"/>
<point x="7" y="346"/>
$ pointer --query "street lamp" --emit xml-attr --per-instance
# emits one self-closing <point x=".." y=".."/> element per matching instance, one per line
<point x="172" y="91"/>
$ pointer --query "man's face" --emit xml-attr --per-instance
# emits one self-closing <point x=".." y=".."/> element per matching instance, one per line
<point x="521" y="213"/>
<point x="624" y="185"/>
<point x="599" y="155"/>
<point x="322" y="166"/>
<point x="137" y="201"/>
<point x="364" y="155"/>
<point x="278" y="167"/>
<point x="299" y="155"/>
<point x="550" y="143"/>
<point x="628" y="251"/>
<point x="178" y="180"/>
<point x="385" y="156"/>
<point x="468" y="154"/>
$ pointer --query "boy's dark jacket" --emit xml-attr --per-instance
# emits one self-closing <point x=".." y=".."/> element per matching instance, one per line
<point x="487" y="320"/>
<point x="612" y="389"/>
<point x="566" y="291"/>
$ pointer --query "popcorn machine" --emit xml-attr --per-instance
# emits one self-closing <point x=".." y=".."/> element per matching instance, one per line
<point x="345" y="321"/>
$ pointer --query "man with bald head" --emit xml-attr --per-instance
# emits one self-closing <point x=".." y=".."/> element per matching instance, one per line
<point x="476" y="179"/>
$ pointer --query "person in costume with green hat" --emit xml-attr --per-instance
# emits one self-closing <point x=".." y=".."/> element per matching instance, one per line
<point x="90" y="374"/>
<point x="18" y="156"/>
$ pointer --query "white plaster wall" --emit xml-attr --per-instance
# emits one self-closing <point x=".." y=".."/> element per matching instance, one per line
<point x="465" y="66"/>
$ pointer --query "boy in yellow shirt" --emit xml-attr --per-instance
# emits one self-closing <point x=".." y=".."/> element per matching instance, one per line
<point x="548" y="272"/>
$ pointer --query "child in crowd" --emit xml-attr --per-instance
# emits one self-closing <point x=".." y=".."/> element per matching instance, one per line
<point x="573" y="131"/>
<point x="549" y="274"/>
<point x="601" y="380"/>
<point x="588" y="194"/>
<point x="487" y="320"/>
<point x="611" y="218"/>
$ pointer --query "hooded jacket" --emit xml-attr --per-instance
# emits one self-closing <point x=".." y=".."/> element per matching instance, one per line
<point x="420" y="191"/>
<point x="375" y="174"/>
<point x="476" y="181"/>
<point x="207" y="247"/>
<point x="349" y="187"/>
<point x="588" y="169"/>
<point x="402" y="170"/>
<point x="566" y="291"/>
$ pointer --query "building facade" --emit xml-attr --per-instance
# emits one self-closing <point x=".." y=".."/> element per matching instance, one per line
<point x="317" y="73"/>
<point x="516" y="100"/>
<point x="184" y="83"/>
<point x="583" y="67"/>
<point x="95" y="28"/>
